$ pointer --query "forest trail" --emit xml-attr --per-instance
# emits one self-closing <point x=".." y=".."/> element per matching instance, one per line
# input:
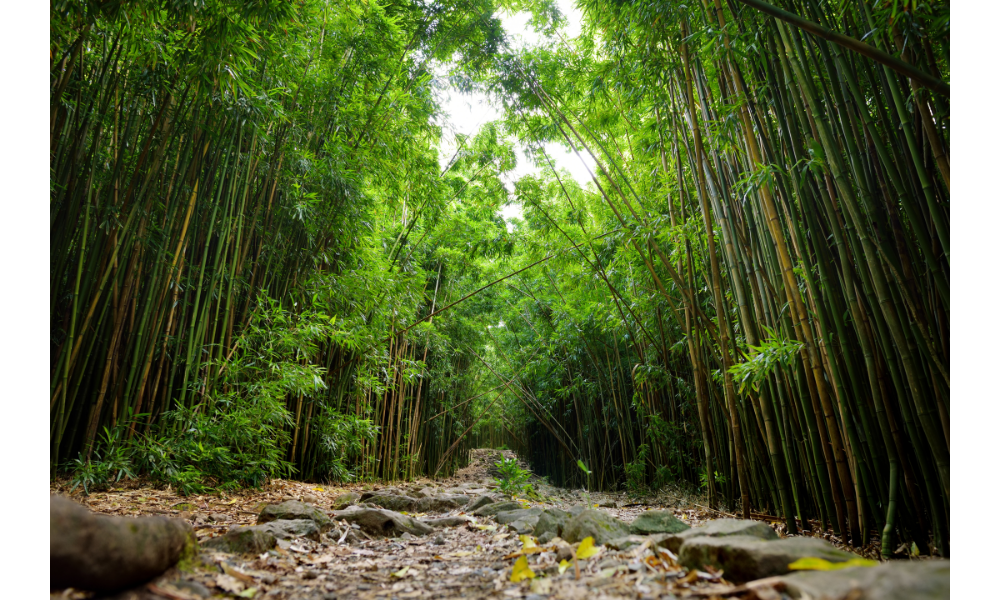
<point x="462" y="556"/>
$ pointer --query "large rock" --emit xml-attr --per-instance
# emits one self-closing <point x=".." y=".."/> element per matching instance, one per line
<point x="497" y="507"/>
<point x="443" y="503"/>
<point x="383" y="523"/>
<point x="390" y="499"/>
<point x="910" y="580"/>
<point x="720" y="528"/>
<point x="743" y="557"/>
<point x="244" y="540"/>
<point x="509" y="516"/>
<point x="551" y="523"/>
<point x="446" y="521"/>
<point x="657" y="521"/>
<point x="286" y="530"/>
<point x="102" y="553"/>
<point x="594" y="523"/>
<point x="478" y="502"/>
<point x="293" y="510"/>
<point x="344" y="500"/>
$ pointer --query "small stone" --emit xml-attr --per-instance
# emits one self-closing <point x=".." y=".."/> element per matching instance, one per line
<point x="545" y="537"/>
<point x="310" y="574"/>
<point x="383" y="523"/>
<point x="219" y="517"/>
<point x="342" y="501"/>
<point x="509" y="516"/>
<point x="407" y="536"/>
<point x="286" y="530"/>
<point x="446" y="521"/>
<point x="438" y="541"/>
<point x="191" y="588"/>
<point x="310" y="499"/>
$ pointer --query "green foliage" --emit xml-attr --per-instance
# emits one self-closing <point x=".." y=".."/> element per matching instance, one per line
<point x="511" y="478"/>
<point x="772" y="352"/>
<point x="341" y="440"/>
<point x="635" y="471"/>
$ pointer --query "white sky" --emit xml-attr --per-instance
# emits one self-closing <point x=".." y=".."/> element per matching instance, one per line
<point x="466" y="113"/>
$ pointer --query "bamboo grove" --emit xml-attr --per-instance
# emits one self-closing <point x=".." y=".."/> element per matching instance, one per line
<point x="255" y="237"/>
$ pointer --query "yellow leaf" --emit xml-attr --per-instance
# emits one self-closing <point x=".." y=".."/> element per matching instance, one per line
<point x="586" y="549"/>
<point x="402" y="572"/>
<point x="460" y="553"/>
<point x="563" y="565"/>
<point x="486" y="527"/>
<point x="819" y="564"/>
<point x="527" y="542"/>
<point x="521" y="570"/>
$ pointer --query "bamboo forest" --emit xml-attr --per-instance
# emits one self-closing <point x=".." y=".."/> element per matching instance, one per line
<point x="692" y="248"/>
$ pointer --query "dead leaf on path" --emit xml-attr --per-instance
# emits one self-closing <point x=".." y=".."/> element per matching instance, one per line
<point x="586" y="549"/>
<point x="563" y="565"/>
<point x="521" y="570"/>
<point x="402" y="572"/>
<point x="228" y="583"/>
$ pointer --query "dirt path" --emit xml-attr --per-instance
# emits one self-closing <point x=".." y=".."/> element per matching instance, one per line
<point x="470" y="560"/>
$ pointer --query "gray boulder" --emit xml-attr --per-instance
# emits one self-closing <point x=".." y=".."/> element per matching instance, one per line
<point x="720" y="528"/>
<point x="909" y="580"/>
<point x="344" y="500"/>
<point x="744" y="558"/>
<point x="594" y="523"/>
<point x="497" y="507"/>
<point x="478" y="502"/>
<point x="383" y="523"/>
<point x="657" y="521"/>
<point x="293" y="510"/>
<point x="396" y="502"/>
<point x="442" y="503"/>
<point x="243" y="540"/>
<point x="286" y="530"/>
<point x="446" y="521"/>
<point x="509" y="516"/>
<point x="551" y="521"/>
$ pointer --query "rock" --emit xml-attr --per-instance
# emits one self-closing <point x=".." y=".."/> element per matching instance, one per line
<point x="101" y="553"/>
<point x="446" y="521"/>
<point x="440" y="503"/>
<point x="390" y="499"/>
<point x="478" y="502"/>
<point x="721" y="528"/>
<point x="344" y="500"/>
<point x="286" y="530"/>
<point x="658" y="521"/>
<point x="904" y="580"/>
<point x="293" y="510"/>
<point x="438" y="541"/>
<point x="310" y="499"/>
<point x="497" y="507"/>
<point x="594" y="523"/>
<point x="524" y="525"/>
<point x="625" y="542"/>
<point x="551" y="521"/>
<point x="244" y="540"/>
<point x="509" y="516"/>
<point x="545" y="537"/>
<point x="383" y="523"/>
<point x="191" y="588"/>
<point x="576" y="509"/>
<point x="744" y="557"/>
<point x="607" y="504"/>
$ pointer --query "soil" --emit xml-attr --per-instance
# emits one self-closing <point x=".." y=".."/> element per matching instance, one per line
<point x="467" y="561"/>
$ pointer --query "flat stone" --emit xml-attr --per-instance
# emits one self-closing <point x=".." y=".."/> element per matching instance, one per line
<point x="657" y="521"/>
<point x="594" y="523"/>
<point x="744" y="557"/>
<point x="509" y="516"/>
<point x="396" y="502"/>
<point x="721" y="528"/>
<point x="497" y="507"/>
<point x="243" y="540"/>
<point x="446" y="521"/>
<point x="342" y="501"/>
<point x="293" y="510"/>
<point x="902" y="580"/>
<point x="439" y="503"/>
<point x="383" y="523"/>
<point x="525" y="524"/>
<point x="286" y="530"/>
<point x="478" y="502"/>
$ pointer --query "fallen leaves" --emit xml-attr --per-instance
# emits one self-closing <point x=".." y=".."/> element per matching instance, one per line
<point x="521" y="570"/>
<point x="819" y="564"/>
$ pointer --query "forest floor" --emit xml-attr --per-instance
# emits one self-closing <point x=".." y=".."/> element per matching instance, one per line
<point x="471" y="560"/>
